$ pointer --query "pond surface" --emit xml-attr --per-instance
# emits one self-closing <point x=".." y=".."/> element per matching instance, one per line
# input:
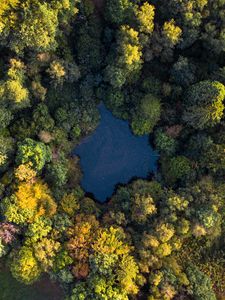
<point x="112" y="155"/>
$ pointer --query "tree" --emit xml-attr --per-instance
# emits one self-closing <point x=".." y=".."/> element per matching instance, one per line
<point x="129" y="60"/>
<point x="189" y="16"/>
<point x="7" y="14"/>
<point x="208" y="216"/>
<point x="38" y="91"/>
<point x="143" y="207"/>
<point x="6" y="150"/>
<point x="25" y="172"/>
<point x="35" y="25"/>
<point x="42" y="35"/>
<point x="62" y="260"/>
<point x="127" y="274"/>
<point x="147" y="115"/>
<point x="162" y="42"/>
<point x="164" y="249"/>
<point x="35" y="153"/>
<point x="109" y="241"/>
<point x="111" y="259"/>
<point x="198" y="145"/>
<point x="57" y="170"/>
<point x="81" y="237"/>
<point x="14" y="93"/>
<point x="24" y="266"/>
<point x="165" y="232"/>
<point x="70" y="203"/>
<point x="204" y="104"/>
<point x="116" y="76"/>
<point x="213" y="158"/>
<point x="131" y="54"/>
<point x="8" y="232"/>
<point x="38" y="230"/>
<point x="5" y="117"/>
<point x="213" y="36"/>
<point x="129" y="47"/>
<point x="201" y="286"/>
<point x="89" y="46"/>
<point x="42" y="120"/>
<point x="164" y="143"/>
<point x="45" y="251"/>
<point x="145" y="15"/>
<point x="117" y="11"/>
<point x="13" y="90"/>
<point x="57" y="72"/>
<point x="30" y="201"/>
<point x="176" y="168"/>
<point x="171" y="32"/>
<point x="98" y="288"/>
<point x="183" y="72"/>
<point x="177" y="203"/>
<point x="114" y="100"/>
<point x="3" y="249"/>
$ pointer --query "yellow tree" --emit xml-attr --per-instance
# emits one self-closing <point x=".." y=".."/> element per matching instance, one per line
<point x="171" y="32"/>
<point x="7" y="13"/>
<point x="30" y="201"/>
<point x="145" y="15"/>
<point x="24" y="266"/>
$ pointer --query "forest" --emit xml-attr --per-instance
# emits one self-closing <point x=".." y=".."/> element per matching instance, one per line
<point x="159" y="65"/>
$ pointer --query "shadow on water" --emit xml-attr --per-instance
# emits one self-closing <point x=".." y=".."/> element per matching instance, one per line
<point x="112" y="156"/>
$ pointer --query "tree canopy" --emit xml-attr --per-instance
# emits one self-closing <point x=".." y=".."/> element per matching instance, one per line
<point x="159" y="66"/>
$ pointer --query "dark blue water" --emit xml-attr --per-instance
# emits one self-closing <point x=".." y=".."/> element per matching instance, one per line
<point x="112" y="155"/>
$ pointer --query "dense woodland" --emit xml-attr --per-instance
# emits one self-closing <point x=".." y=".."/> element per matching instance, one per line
<point x="161" y="66"/>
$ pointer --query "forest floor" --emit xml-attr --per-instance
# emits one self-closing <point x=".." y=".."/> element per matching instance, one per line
<point x="43" y="289"/>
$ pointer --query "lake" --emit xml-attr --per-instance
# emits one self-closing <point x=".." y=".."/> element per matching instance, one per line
<point x="113" y="155"/>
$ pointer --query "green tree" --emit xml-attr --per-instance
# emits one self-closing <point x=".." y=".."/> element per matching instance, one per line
<point x="117" y="11"/>
<point x="6" y="150"/>
<point x="5" y="117"/>
<point x="164" y="143"/>
<point x="116" y="76"/>
<point x="114" y="100"/>
<point x="42" y="120"/>
<point x="176" y="168"/>
<point x="37" y="230"/>
<point x="204" y="104"/>
<point x="213" y="158"/>
<point x="201" y="286"/>
<point x="183" y="72"/>
<point x="57" y="171"/>
<point x="34" y="152"/>
<point x="147" y="115"/>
